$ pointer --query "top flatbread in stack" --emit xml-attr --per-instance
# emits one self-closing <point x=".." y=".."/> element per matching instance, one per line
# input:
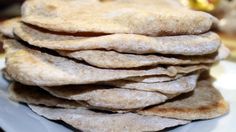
<point x="154" y="18"/>
<point x="118" y="62"/>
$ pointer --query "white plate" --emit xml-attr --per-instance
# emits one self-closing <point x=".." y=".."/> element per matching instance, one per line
<point x="15" y="117"/>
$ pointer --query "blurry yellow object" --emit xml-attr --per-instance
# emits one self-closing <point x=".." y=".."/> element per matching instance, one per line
<point x="204" y="5"/>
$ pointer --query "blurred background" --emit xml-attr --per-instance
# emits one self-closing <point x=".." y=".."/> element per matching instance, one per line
<point x="9" y="8"/>
<point x="224" y="10"/>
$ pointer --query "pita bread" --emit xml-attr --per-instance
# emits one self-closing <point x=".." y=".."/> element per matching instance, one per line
<point x="112" y="59"/>
<point x="32" y="67"/>
<point x="35" y="95"/>
<point x="204" y="103"/>
<point x="92" y="96"/>
<point x="89" y="121"/>
<point x="108" y="98"/>
<point x="146" y="79"/>
<point x="6" y="27"/>
<point x="181" y="85"/>
<point x="206" y="43"/>
<point x="154" y="79"/>
<point x="154" y="18"/>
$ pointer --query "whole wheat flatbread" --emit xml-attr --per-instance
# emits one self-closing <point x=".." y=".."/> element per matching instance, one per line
<point x="7" y="26"/>
<point x="155" y="17"/>
<point x="112" y="59"/>
<point x="87" y="120"/>
<point x="206" y="43"/>
<point x="37" y="96"/>
<point x="145" y="79"/>
<point x="34" y="95"/>
<point x="154" y="79"/>
<point x="98" y="97"/>
<point x="204" y="103"/>
<point x="33" y="67"/>
<point x="181" y="85"/>
<point x="108" y="98"/>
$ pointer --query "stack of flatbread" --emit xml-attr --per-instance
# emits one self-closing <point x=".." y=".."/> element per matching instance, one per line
<point x="114" y="65"/>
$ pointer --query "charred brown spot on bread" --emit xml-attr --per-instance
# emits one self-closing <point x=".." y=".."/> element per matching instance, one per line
<point x="221" y="104"/>
<point x="106" y="0"/>
<point x="51" y="7"/>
